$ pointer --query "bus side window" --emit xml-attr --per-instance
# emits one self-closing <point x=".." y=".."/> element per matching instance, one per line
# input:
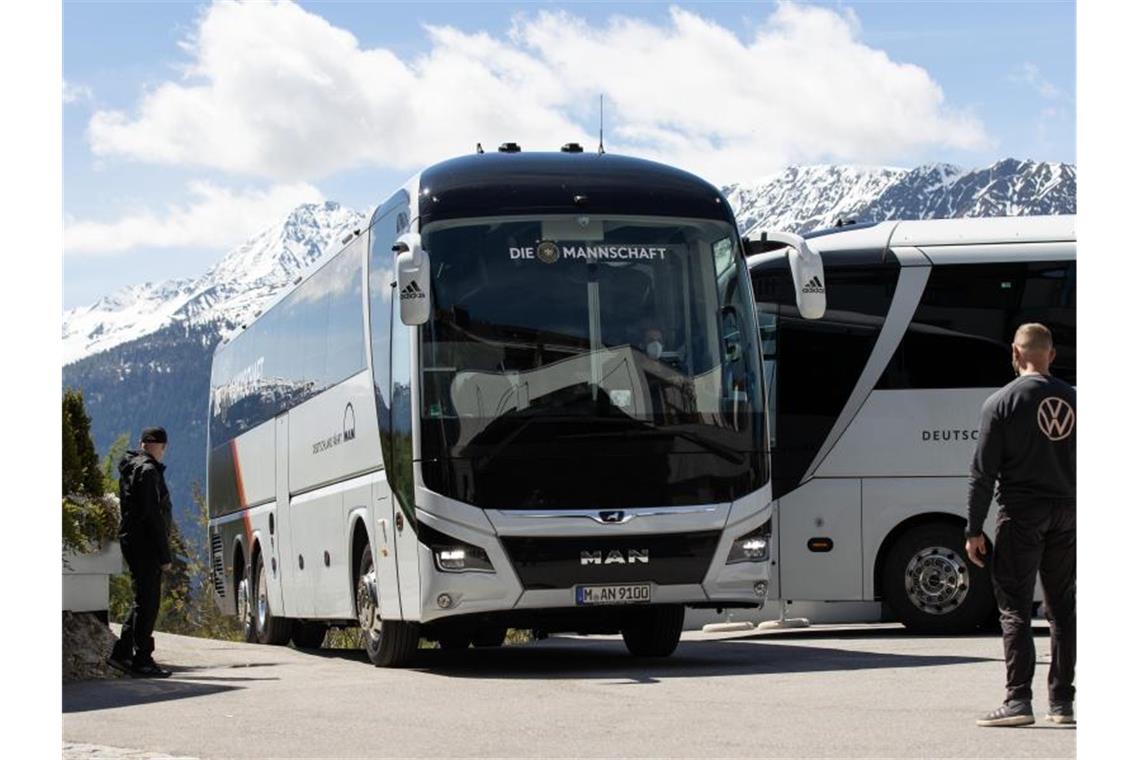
<point x="1050" y="297"/>
<point x="961" y="333"/>
<point x="382" y="234"/>
<point x="812" y="366"/>
<point x="391" y="350"/>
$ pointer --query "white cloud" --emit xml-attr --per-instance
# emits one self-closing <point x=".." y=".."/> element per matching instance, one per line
<point x="1028" y="74"/>
<point x="273" y="90"/>
<point x="215" y="218"/>
<point x="76" y="93"/>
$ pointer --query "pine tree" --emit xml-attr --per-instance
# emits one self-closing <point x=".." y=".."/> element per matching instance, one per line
<point x="111" y="463"/>
<point x="72" y="470"/>
<point x="90" y="474"/>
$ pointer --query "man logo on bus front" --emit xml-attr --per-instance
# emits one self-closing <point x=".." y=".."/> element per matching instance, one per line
<point x="547" y="252"/>
<point x="1056" y="418"/>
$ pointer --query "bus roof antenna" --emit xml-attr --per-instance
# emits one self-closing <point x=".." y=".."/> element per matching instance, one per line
<point x="601" y="123"/>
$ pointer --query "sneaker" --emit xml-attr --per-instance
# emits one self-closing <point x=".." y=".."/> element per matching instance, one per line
<point x="1009" y="714"/>
<point x="119" y="663"/>
<point x="1061" y="712"/>
<point x="149" y="669"/>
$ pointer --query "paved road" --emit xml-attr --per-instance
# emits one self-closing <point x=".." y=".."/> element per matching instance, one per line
<point x="826" y="692"/>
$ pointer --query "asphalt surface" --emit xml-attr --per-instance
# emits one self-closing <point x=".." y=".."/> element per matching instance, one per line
<point x="831" y="691"/>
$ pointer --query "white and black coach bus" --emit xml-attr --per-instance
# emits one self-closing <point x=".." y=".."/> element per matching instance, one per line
<point x="528" y="395"/>
<point x="875" y="406"/>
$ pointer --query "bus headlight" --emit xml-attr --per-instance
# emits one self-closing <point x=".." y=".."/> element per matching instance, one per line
<point x="453" y="555"/>
<point x="460" y="558"/>
<point x="752" y="546"/>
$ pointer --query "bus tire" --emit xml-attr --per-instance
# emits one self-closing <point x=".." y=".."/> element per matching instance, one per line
<point x="930" y="584"/>
<point x="654" y="632"/>
<point x="389" y="643"/>
<point x="268" y="628"/>
<point x="308" y="634"/>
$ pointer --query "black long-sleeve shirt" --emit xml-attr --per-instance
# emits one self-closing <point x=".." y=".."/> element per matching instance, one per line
<point x="144" y="502"/>
<point x="1027" y="447"/>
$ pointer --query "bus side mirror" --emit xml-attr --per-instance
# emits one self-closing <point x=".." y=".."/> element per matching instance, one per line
<point x="806" y="266"/>
<point x="413" y="270"/>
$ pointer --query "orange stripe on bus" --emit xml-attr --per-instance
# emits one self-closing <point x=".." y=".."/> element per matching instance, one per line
<point x="237" y="474"/>
<point x="246" y="522"/>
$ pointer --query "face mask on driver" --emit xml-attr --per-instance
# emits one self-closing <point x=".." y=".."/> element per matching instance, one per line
<point x="654" y="349"/>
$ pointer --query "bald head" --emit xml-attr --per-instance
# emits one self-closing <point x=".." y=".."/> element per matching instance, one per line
<point x="1033" y="349"/>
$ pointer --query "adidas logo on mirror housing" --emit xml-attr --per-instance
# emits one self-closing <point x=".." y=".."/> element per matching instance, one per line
<point x="412" y="291"/>
<point x="813" y="286"/>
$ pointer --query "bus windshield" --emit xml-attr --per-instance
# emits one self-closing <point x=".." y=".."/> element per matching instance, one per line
<point x="590" y="362"/>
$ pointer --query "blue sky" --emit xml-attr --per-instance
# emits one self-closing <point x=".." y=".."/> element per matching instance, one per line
<point x="188" y="126"/>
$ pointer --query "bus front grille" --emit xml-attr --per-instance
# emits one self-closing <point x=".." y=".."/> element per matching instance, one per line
<point x="663" y="558"/>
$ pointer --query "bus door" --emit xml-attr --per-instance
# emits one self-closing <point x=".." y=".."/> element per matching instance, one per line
<point x="384" y="549"/>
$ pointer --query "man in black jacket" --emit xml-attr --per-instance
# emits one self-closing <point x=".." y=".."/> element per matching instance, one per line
<point x="1028" y="444"/>
<point x="144" y="535"/>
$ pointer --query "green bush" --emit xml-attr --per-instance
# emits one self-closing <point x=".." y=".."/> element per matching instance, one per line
<point x="89" y="524"/>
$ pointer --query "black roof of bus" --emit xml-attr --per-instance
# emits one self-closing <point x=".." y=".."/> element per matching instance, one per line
<point x="500" y="184"/>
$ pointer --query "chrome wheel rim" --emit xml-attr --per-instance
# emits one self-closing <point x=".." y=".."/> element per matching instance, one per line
<point x="937" y="580"/>
<point x="262" y="599"/>
<point x="367" y="614"/>
<point x="243" y="603"/>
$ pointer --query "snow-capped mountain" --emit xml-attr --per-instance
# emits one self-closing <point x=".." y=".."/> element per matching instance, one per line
<point x="230" y="293"/>
<point x="804" y="198"/>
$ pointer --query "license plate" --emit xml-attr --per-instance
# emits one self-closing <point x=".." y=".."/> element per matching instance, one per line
<point x="625" y="593"/>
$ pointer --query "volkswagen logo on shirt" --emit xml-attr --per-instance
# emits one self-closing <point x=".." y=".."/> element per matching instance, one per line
<point x="1056" y="418"/>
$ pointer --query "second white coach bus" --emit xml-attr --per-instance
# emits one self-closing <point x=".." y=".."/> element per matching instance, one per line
<point x="875" y="407"/>
<point x="528" y="394"/>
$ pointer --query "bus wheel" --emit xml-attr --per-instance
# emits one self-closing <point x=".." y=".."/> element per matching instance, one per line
<point x="268" y="628"/>
<point x="389" y="643"/>
<point x="245" y="609"/>
<point x="489" y="637"/>
<point x="309" y="634"/>
<point x="932" y="586"/>
<point x="654" y="632"/>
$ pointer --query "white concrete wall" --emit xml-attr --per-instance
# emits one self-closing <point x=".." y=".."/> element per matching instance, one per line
<point x="86" y="578"/>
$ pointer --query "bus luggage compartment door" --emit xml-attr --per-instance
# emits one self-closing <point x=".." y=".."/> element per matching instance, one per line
<point x="820" y="540"/>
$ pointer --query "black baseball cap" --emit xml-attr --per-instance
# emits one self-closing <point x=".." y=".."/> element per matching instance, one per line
<point x="153" y="435"/>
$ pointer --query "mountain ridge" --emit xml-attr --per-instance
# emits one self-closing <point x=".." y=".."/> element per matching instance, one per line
<point x="231" y="291"/>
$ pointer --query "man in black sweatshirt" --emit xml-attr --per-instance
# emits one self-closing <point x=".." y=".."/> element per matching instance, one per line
<point x="144" y="535"/>
<point x="1028" y="448"/>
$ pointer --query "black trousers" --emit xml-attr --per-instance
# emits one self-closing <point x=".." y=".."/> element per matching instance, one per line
<point x="137" y="637"/>
<point x="1030" y="539"/>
